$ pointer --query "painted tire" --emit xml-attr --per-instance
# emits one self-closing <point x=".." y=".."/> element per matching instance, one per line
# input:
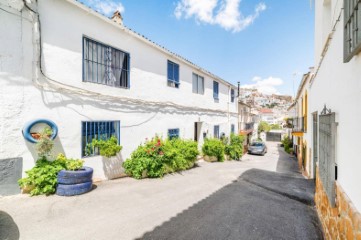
<point x="74" y="177"/>
<point x="74" y="189"/>
<point x="29" y="125"/>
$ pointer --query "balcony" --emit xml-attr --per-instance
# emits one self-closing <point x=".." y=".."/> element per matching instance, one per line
<point x="246" y="128"/>
<point x="298" y="126"/>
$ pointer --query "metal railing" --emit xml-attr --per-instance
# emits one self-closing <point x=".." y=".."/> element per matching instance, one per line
<point x="298" y="124"/>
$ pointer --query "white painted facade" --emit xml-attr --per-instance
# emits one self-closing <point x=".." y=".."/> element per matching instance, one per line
<point x="338" y="85"/>
<point x="58" y="93"/>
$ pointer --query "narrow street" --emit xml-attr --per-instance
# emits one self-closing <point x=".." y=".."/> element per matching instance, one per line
<point x="260" y="197"/>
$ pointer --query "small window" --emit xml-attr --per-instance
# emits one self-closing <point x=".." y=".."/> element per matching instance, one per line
<point x="232" y="128"/>
<point x="106" y="65"/>
<point x="352" y="32"/>
<point x="173" y="74"/>
<point x="198" y="84"/>
<point x="216" y="131"/>
<point x="232" y="95"/>
<point x="215" y="90"/>
<point x="173" y="133"/>
<point x="97" y="130"/>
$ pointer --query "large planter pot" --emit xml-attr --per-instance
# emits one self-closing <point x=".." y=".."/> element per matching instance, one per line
<point x="210" y="158"/>
<point x="72" y="183"/>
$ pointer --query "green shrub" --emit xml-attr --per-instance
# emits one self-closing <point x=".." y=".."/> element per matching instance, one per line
<point x="107" y="148"/>
<point x="42" y="179"/>
<point x="235" y="147"/>
<point x="157" y="157"/>
<point x="214" y="148"/>
<point x="287" y="144"/>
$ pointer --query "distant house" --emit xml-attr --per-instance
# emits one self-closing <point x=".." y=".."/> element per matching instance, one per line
<point x="300" y="129"/>
<point x="267" y="115"/>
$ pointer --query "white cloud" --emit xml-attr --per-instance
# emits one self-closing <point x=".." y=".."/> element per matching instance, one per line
<point x="267" y="85"/>
<point x="106" y="7"/>
<point x="225" y="13"/>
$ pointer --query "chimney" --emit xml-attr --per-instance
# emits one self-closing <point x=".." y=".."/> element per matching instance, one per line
<point x="117" y="17"/>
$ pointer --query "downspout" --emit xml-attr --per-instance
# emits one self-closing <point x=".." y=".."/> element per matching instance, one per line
<point x="238" y="90"/>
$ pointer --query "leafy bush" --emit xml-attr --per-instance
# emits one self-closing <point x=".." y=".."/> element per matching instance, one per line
<point x="235" y="147"/>
<point x="214" y="148"/>
<point x="107" y="148"/>
<point x="287" y="144"/>
<point x="42" y="179"/>
<point x="157" y="157"/>
<point x="44" y="144"/>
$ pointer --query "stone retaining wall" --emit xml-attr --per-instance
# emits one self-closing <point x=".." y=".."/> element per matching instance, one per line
<point x="341" y="222"/>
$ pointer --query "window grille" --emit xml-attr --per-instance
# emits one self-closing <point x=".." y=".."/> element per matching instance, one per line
<point x="106" y="65"/>
<point x="173" y="74"/>
<point x="352" y="32"/>
<point x="215" y="90"/>
<point x="97" y="130"/>
<point x="198" y="84"/>
<point x="173" y="133"/>
<point x="327" y="156"/>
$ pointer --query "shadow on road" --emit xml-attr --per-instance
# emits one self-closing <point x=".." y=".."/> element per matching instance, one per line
<point x="258" y="205"/>
<point x="8" y="228"/>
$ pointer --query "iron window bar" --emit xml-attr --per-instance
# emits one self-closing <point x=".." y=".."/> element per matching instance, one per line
<point x="103" y="64"/>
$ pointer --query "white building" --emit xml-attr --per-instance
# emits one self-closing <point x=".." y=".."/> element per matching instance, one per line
<point x="334" y="100"/>
<point x="90" y="74"/>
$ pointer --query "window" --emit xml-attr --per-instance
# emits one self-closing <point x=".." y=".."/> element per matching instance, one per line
<point x="216" y="131"/>
<point x="352" y="32"/>
<point x="215" y="90"/>
<point x="232" y="128"/>
<point x="106" y="65"/>
<point x="173" y="133"/>
<point x="198" y="84"/>
<point x="173" y="74"/>
<point x="97" y="130"/>
<point x="232" y="95"/>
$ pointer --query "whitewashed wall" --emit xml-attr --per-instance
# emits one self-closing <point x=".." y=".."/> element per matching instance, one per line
<point x="338" y="85"/>
<point x="25" y="97"/>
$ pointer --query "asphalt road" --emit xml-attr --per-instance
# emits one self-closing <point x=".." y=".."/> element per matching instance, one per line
<point x="256" y="198"/>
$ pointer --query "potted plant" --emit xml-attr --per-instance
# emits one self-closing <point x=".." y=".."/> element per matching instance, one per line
<point x="59" y="175"/>
<point x="213" y="150"/>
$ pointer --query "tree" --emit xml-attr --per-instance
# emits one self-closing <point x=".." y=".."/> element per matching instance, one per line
<point x="263" y="127"/>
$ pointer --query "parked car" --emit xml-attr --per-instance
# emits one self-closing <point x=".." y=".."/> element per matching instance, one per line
<point x="258" y="148"/>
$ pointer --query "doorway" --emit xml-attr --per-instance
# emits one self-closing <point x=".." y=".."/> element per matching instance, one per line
<point x="197" y="131"/>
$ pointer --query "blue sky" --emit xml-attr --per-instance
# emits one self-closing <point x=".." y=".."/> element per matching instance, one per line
<point x="262" y="43"/>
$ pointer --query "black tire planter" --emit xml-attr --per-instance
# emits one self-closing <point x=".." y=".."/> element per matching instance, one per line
<point x="73" y="189"/>
<point x="74" y="177"/>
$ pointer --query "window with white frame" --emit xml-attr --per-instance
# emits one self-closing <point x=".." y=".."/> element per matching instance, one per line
<point x="173" y="74"/>
<point x="216" y="131"/>
<point x="97" y="130"/>
<point x="198" y="84"/>
<point x="352" y="25"/>
<point x="215" y="90"/>
<point x="106" y="65"/>
<point x="232" y="128"/>
<point x="232" y="95"/>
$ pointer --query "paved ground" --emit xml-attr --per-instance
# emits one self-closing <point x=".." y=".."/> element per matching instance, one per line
<point x="230" y="200"/>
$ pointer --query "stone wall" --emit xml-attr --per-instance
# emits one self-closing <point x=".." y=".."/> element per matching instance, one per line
<point x="340" y="222"/>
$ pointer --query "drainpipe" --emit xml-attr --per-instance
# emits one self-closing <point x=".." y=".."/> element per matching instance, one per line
<point x="238" y="106"/>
